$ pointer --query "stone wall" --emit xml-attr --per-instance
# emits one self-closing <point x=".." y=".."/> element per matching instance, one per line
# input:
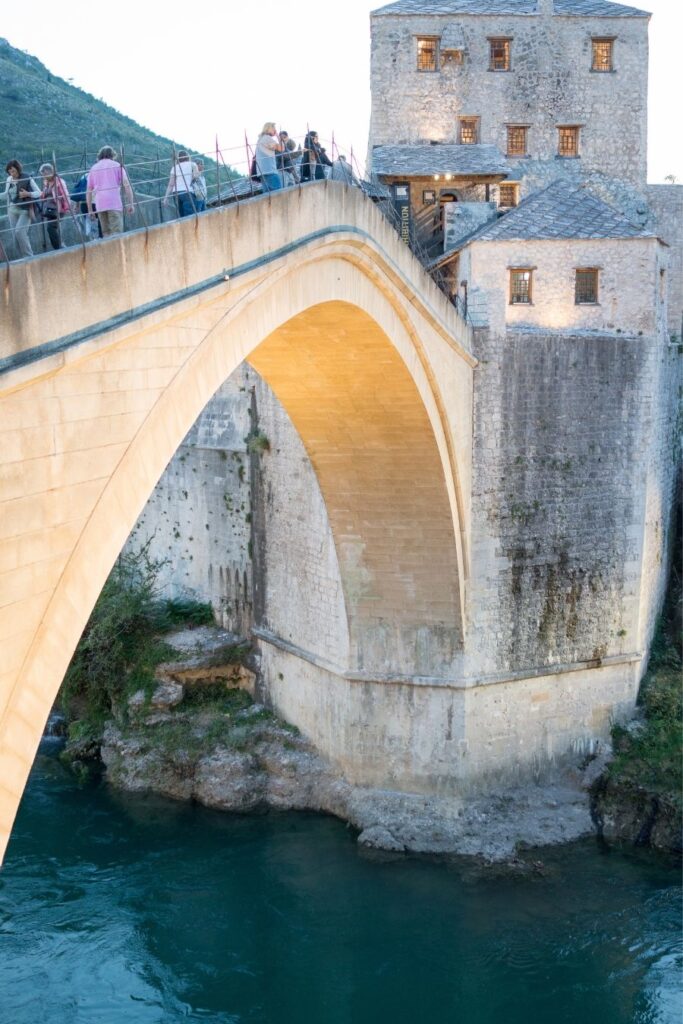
<point x="248" y="531"/>
<point x="666" y="204"/>
<point x="197" y="520"/>
<point x="569" y="542"/>
<point x="550" y="83"/>
<point x="628" y="289"/>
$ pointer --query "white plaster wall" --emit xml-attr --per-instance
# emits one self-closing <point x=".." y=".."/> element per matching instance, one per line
<point x="628" y="284"/>
<point x="550" y="83"/>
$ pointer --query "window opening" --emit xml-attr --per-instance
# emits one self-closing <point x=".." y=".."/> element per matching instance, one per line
<point x="508" y="194"/>
<point x="499" y="58"/>
<point x="517" y="140"/>
<point x="603" y="55"/>
<point x="520" y="286"/>
<point x="427" y="53"/>
<point x="586" y="288"/>
<point x="468" y="133"/>
<point x="568" y="141"/>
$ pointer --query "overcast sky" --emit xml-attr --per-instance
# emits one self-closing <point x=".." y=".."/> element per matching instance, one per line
<point x="195" y="70"/>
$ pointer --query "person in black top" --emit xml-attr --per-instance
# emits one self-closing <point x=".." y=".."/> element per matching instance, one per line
<point x="314" y="160"/>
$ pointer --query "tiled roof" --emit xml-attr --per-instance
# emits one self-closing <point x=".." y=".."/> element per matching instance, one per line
<point x="375" y="189"/>
<point x="562" y="210"/>
<point x="598" y="9"/>
<point x="588" y="8"/>
<point x="438" y="159"/>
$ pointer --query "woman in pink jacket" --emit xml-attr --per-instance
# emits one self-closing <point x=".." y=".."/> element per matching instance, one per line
<point x="55" y="203"/>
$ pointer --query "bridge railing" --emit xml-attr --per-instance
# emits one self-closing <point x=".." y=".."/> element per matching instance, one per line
<point x="229" y="175"/>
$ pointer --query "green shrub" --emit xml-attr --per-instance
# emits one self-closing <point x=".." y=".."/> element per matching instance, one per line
<point x="121" y="644"/>
<point x="653" y="757"/>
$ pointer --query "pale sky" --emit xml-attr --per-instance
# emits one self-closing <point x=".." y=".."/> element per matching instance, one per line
<point x="192" y="71"/>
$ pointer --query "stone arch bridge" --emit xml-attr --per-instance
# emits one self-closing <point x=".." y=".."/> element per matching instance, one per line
<point x="108" y="354"/>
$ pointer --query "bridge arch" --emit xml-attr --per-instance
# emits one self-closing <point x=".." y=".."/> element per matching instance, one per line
<point x="355" y="364"/>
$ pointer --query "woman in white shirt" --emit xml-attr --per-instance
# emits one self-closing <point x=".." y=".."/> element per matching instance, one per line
<point x="183" y="173"/>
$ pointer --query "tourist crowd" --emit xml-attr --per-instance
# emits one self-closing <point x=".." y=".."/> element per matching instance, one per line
<point x="97" y="198"/>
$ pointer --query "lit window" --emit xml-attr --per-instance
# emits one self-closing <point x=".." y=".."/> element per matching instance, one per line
<point x="517" y="139"/>
<point x="568" y="140"/>
<point x="508" y="194"/>
<point x="468" y="130"/>
<point x="603" y="55"/>
<point x="499" y="59"/>
<point x="586" y="287"/>
<point x="427" y="53"/>
<point x="520" y="286"/>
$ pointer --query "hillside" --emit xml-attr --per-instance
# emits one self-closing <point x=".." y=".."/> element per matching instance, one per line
<point x="41" y="113"/>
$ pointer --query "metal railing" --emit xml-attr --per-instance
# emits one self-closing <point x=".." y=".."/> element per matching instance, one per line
<point x="231" y="175"/>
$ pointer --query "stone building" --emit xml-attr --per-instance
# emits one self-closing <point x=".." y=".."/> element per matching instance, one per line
<point x="488" y="101"/>
<point x="544" y="83"/>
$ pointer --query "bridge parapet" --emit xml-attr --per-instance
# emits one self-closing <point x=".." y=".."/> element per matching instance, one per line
<point x="52" y="302"/>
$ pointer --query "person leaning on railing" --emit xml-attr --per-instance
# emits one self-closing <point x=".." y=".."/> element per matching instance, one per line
<point x="106" y="178"/>
<point x="314" y="160"/>
<point x="20" y="192"/>
<point x="267" y="149"/>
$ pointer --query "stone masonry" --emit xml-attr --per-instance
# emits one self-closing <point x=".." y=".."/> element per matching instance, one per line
<point x="550" y="81"/>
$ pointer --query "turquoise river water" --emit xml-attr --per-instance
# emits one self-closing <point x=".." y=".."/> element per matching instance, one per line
<point x="118" y="909"/>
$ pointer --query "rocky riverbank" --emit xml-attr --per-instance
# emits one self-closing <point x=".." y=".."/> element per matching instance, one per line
<point x="200" y="733"/>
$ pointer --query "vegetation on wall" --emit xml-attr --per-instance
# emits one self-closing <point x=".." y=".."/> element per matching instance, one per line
<point x="122" y="642"/>
<point x="651" y="757"/>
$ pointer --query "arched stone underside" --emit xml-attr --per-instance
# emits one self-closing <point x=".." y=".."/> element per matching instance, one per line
<point x="379" y="391"/>
<point x="367" y="433"/>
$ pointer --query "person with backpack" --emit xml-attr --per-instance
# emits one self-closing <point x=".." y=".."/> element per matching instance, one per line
<point x="79" y="198"/>
<point x="20" y="192"/>
<point x="55" y="203"/>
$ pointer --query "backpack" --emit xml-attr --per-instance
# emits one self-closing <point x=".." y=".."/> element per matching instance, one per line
<point x="254" y="171"/>
<point x="80" y="189"/>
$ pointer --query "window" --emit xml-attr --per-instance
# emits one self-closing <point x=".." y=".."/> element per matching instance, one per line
<point x="468" y="130"/>
<point x="603" y="55"/>
<point x="508" y="194"/>
<point x="517" y="139"/>
<point x="427" y="53"/>
<point x="586" y="287"/>
<point x="520" y="286"/>
<point x="499" y="54"/>
<point x="568" y="140"/>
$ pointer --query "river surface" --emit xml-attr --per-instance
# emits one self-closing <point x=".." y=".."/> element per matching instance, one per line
<point x="118" y="909"/>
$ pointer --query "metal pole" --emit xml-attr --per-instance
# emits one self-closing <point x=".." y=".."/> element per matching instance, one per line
<point x="218" y="175"/>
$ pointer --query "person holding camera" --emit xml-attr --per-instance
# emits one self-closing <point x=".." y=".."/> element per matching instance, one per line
<point x="20" y="191"/>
